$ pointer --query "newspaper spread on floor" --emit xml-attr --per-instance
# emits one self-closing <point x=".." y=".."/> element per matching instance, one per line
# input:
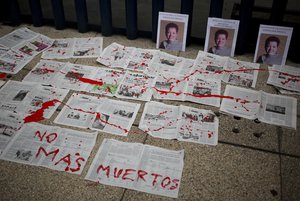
<point x="285" y="77"/>
<point x="28" y="97"/>
<point x="180" y="122"/>
<point x="195" y="88"/>
<point x="74" y="48"/>
<point x="52" y="147"/>
<point x="24" y="44"/>
<point x="10" y="123"/>
<point x="269" y="108"/>
<point x="98" y="113"/>
<point x="139" y="167"/>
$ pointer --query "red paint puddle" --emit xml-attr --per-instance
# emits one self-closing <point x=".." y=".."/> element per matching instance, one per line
<point x="38" y="115"/>
<point x="2" y="75"/>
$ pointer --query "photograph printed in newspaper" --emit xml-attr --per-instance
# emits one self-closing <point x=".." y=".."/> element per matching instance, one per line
<point x="52" y="147"/>
<point x="138" y="167"/>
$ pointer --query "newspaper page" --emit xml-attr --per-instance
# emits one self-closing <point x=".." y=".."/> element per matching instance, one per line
<point x="115" y="55"/>
<point x="26" y="98"/>
<point x="87" y="47"/>
<point x="169" y="87"/>
<point x="278" y="110"/>
<point x="272" y="44"/>
<point x="60" y="49"/>
<point x="140" y="59"/>
<point x="10" y="123"/>
<point x="211" y="65"/>
<point x="115" y="117"/>
<point x="204" y="91"/>
<point x="164" y="63"/>
<point x="35" y="45"/>
<point x="241" y="102"/>
<point x="79" y="110"/>
<point x="16" y="37"/>
<point x="137" y="86"/>
<point x="241" y="73"/>
<point x="52" y="147"/>
<point x="285" y="77"/>
<point x="73" y="76"/>
<point x="221" y="35"/>
<point x="139" y="167"/>
<point x="13" y="61"/>
<point x="110" y="78"/>
<point x="198" y="126"/>
<point x="45" y="72"/>
<point x="160" y="120"/>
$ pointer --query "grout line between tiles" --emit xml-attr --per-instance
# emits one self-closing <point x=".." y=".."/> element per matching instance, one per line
<point x="258" y="149"/>
<point x="279" y="133"/>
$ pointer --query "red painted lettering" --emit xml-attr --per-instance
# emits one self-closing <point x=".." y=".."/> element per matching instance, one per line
<point x="117" y="172"/>
<point x="77" y="161"/>
<point x="163" y="184"/>
<point x="66" y="159"/>
<point x="176" y="184"/>
<point x="127" y="172"/>
<point x="141" y="174"/>
<point x="49" y="138"/>
<point x="41" y="149"/>
<point x="106" y="169"/>
<point x="155" y="178"/>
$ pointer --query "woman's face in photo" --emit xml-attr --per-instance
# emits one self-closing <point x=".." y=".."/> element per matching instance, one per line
<point x="272" y="48"/>
<point x="221" y="40"/>
<point x="171" y="34"/>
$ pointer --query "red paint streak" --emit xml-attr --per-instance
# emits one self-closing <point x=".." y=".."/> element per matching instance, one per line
<point x="90" y="81"/>
<point x="2" y="75"/>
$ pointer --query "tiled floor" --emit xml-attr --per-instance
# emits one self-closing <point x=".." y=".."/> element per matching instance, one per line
<point x="255" y="162"/>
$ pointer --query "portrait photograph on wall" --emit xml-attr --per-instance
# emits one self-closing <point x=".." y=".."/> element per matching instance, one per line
<point x="171" y="31"/>
<point x="221" y="35"/>
<point x="272" y="44"/>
